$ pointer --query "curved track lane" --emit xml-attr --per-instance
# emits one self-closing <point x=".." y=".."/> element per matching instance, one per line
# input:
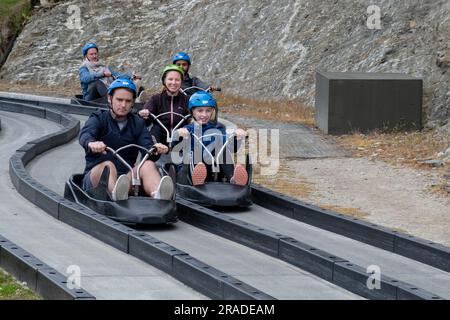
<point x="106" y="273"/>
<point x="272" y="276"/>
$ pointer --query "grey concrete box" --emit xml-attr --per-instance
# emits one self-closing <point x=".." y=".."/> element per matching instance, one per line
<point x="347" y="102"/>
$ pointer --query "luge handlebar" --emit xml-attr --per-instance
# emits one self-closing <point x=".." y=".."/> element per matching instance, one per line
<point x="135" y="177"/>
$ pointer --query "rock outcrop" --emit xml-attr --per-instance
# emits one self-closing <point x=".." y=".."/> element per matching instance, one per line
<point x="256" y="48"/>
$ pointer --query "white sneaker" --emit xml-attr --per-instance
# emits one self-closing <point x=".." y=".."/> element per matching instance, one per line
<point x="164" y="190"/>
<point x="121" y="188"/>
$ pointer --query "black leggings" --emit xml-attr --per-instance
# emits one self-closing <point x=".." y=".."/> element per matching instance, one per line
<point x="96" y="90"/>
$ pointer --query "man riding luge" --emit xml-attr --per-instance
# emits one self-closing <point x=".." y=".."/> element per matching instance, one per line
<point x="115" y="128"/>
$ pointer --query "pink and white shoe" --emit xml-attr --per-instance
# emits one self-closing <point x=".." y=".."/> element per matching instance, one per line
<point x="240" y="176"/>
<point x="199" y="174"/>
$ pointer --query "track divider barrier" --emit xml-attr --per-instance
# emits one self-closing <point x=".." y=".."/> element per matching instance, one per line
<point x="194" y="273"/>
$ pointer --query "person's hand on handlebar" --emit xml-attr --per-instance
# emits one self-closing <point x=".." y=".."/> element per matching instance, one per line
<point x="97" y="147"/>
<point x="160" y="148"/>
<point x="136" y="76"/>
<point x="183" y="132"/>
<point x="144" y="113"/>
<point x="240" y="134"/>
<point x="214" y="88"/>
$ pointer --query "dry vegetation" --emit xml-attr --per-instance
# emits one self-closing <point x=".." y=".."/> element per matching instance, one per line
<point x="353" y="212"/>
<point x="10" y="289"/>
<point x="29" y="87"/>
<point x="409" y="149"/>
<point x="284" y="111"/>
<point x="286" y="181"/>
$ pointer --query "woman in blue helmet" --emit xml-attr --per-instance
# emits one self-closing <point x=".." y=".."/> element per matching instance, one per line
<point x="203" y="108"/>
<point x="183" y="60"/>
<point x="116" y="128"/>
<point x="96" y="77"/>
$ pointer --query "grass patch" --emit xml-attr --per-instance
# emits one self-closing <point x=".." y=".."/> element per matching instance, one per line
<point x="10" y="289"/>
<point x="15" y="13"/>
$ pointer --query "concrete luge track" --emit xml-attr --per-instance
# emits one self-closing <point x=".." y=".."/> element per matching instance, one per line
<point x="204" y="278"/>
<point x="276" y="223"/>
<point x="106" y="273"/>
<point x="263" y="272"/>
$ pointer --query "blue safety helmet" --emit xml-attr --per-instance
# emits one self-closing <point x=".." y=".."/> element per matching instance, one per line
<point x="181" y="56"/>
<point x="124" y="83"/>
<point x="201" y="99"/>
<point x="88" y="46"/>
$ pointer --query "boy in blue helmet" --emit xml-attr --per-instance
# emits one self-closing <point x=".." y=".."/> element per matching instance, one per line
<point x="116" y="128"/>
<point x="183" y="60"/>
<point x="203" y="108"/>
<point x="96" y="77"/>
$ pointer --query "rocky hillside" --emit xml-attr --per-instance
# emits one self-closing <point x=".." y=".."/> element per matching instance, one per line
<point x="257" y="48"/>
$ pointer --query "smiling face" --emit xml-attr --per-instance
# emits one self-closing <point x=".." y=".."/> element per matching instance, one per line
<point x="172" y="81"/>
<point x="202" y="114"/>
<point x="92" y="54"/>
<point x="121" y="102"/>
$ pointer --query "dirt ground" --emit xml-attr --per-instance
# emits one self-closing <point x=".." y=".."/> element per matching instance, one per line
<point x="382" y="181"/>
<point x="395" y="197"/>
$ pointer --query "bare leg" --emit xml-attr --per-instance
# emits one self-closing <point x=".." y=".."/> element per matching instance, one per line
<point x="150" y="177"/>
<point x="96" y="173"/>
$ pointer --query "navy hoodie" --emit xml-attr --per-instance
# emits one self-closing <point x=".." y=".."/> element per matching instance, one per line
<point x="102" y="127"/>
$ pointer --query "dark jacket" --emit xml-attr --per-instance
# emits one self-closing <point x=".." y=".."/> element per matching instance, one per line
<point x="217" y="131"/>
<point x="163" y="102"/>
<point x="102" y="127"/>
<point x="192" y="82"/>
